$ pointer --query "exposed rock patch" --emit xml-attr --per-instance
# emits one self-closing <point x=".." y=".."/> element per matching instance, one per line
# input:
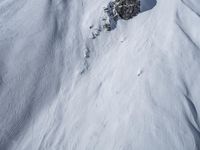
<point x="127" y="9"/>
<point x="115" y="10"/>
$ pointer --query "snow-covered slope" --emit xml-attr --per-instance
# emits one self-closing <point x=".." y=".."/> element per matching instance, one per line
<point x="134" y="88"/>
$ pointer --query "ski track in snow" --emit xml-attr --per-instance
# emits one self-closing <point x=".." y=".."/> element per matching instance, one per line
<point x="134" y="88"/>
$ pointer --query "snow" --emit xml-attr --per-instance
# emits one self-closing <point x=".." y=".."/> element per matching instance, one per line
<point x="133" y="88"/>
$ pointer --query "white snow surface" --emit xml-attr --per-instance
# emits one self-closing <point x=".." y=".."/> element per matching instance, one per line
<point x="139" y="88"/>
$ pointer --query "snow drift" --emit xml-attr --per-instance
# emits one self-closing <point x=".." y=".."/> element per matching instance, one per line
<point x="134" y="88"/>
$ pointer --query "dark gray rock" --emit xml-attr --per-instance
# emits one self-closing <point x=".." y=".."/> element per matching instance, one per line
<point x="118" y="9"/>
<point x="127" y="9"/>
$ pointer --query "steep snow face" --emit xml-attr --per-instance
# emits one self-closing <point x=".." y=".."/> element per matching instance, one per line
<point x="136" y="87"/>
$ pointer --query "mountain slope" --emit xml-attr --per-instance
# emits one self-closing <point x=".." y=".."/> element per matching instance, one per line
<point x="136" y="87"/>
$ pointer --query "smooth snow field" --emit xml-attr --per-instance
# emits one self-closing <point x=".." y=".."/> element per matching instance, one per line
<point x="136" y="87"/>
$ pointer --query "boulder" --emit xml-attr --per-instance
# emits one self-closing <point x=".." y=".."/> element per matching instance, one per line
<point x="127" y="9"/>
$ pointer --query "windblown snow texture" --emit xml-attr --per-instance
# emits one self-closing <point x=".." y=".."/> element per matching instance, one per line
<point x="136" y="87"/>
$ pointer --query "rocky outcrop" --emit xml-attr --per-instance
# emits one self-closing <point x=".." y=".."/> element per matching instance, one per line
<point x="115" y="10"/>
<point x="127" y="9"/>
